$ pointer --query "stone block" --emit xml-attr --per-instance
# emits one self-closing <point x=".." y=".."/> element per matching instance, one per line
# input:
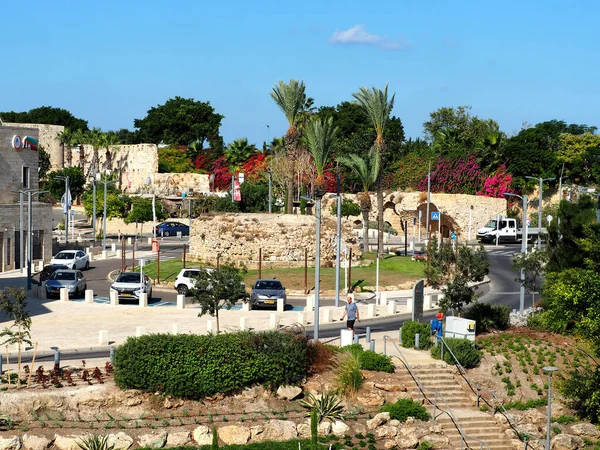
<point x="280" y="305"/>
<point x="247" y="306"/>
<point x="89" y="296"/>
<point x="209" y="326"/>
<point x="143" y="300"/>
<point x="175" y="328"/>
<point x="327" y="315"/>
<point x="371" y="310"/>
<point x="113" y="247"/>
<point x="64" y="294"/>
<point x="383" y="298"/>
<point x="243" y="323"/>
<point x="301" y="318"/>
<point x="114" y="298"/>
<point x="391" y="307"/>
<point x="104" y="254"/>
<point x="180" y="301"/>
<point x="274" y="321"/>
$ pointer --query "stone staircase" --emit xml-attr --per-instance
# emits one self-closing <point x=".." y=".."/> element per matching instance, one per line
<point x="474" y="423"/>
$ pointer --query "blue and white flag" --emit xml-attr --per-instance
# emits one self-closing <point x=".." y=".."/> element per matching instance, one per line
<point x="66" y="201"/>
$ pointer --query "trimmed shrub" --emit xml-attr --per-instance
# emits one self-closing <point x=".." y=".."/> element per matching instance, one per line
<point x="193" y="366"/>
<point x="369" y="360"/>
<point x="405" y="408"/>
<point x="410" y="328"/>
<point x="489" y="317"/>
<point x="465" y="351"/>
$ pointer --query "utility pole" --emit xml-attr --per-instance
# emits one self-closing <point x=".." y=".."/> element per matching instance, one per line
<point x="94" y="213"/>
<point x="270" y="191"/>
<point x="428" y="201"/>
<point x="21" y="240"/>
<point x="338" y="239"/>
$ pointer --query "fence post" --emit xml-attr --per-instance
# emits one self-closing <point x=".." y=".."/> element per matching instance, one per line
<point x="56" y="357"/>
<point x="417" y="340"/>
<point x="368" y="333"/>
<point x="356" y="338"/>
<point x="372" y="345"/>
<point x="112" y="355"/>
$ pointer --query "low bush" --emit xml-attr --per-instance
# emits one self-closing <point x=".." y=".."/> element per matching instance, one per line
<point x="405" y="408"/>
<point x="193" y="366"/>
<point x="489" y="317"/>
<point x="524" y="406"/>
<point x="466" y="352"/>
<point x="370" y="360"/>
<point x="410" y="329"/>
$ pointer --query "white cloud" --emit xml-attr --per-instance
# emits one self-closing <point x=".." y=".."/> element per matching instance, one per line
<point x="359" y="35"/>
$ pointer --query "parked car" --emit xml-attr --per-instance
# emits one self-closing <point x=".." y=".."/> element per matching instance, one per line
<point x="185" y="280"/>
<point x="267" y="292"/>
<point x="73" y="259"/>
<point x="172" y="228"/>
<point x="49" y="270"/>
<point x="129" y="286"/>
<point x="66" y="278"/>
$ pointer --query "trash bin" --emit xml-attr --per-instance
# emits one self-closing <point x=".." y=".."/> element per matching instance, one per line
<point x="155" y="245"/>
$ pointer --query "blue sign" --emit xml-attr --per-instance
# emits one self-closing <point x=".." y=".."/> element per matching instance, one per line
<point x="435" y="215"/>
<point x="414" y="221"/>
<point x="453" y="236"/>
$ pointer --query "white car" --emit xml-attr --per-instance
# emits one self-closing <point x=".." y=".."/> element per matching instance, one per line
<point x="129" y="287"/>
<point x="73" y="259"/>
<point x="185" y="280"/>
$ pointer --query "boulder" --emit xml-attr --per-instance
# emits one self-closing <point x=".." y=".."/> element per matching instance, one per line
<point x="530" y="428"/>
<point x="234" y="434"/>
<point x="121" y="441"/>
<point x="388" y="445"/>
<point x="12" y="443"/>
<point x="324" y="429"/>
<point x="390" y="387"/>
<point x="533" y="416"/>
<point x="407" y="441"/>
<point x="394" y="423"/>
<point x="277" y="430"/>
<point x="172" y="403"/>
<point x="67" y="442"/>
<point x="566" y="442"/>
<point x="339" y="428"/>
<point x="386" y="431"/>
<point x="303" y="430"/>
<point x="378" y="420"/>
<point x="255" y="432"/>
<point x="153" y="440"/>
<point x="437" y="440"/>
<point x="585" y="429"/>
<point x="178" y="439"/>
<point x="202" y="435"/>
<point x="289" y="392"/>
<point x="372" y="399"/>
<point x="35" y="442"/>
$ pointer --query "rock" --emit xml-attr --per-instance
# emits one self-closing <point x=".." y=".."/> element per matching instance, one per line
<point x="566" y="442"/>
<point x="303" y="430"/>
<point x="370" y="399"/>
<point x="436" y="429"/>
<point x="35" y="442"/>
<point x="407" y="441"/>
<point x="152" y="440"/>
<point x="339" y="428"/>
<point x="530" y="428"/>
<point x="516" y="444"/>
<point x="585" y="429"/>
<point x="359" y="428"/>
<point x="390" y="387"/>
<point x="255" y="432"/>
<point x="324" y="428"/>
<point x="67" y="442"/>
<point x="251" y="393"/>
<point x="121" y="441"/>
<point x="172" y="403"/>
<point x="386" y="431"/>
<point x="202" y="435"/>
<point x="178" y="439"/>
<point x="12" y="443"/>
<point x="378" y="420"/>
<point x="534" y="416"/>
<point x="133" y="401"/>
<point x="277" y="430"/>
<point x="389" y="444"/>
<point x="500" y="419"/>
<point x="437" y="440"/>
<point x="289" y="392"/>
<point x="234" y="434"/>
<point x="394" y="423"/>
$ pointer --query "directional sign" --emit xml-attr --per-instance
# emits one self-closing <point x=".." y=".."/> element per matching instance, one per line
<point x="453" y="236"/>
<point x="435" y="215"/>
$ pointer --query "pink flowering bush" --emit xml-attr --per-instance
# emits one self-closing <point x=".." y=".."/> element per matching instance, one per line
<point x="459" y="176"/>
<point x="497" y="184"/>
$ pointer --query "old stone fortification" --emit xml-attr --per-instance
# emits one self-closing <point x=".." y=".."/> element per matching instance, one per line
<point x="47" y="139"/>
<point x="457" y="210"/>
<point x="283" y="239"/>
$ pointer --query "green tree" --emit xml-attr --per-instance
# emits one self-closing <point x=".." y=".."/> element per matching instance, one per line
<point x="533" y="265"/>
<point x="174" y="160"/>
<point x="320" y="136"/>
<point x="57" y="186"/>
<point x="94" y="137"/>
<point x="349" y="208"/>
<point x="453" y="269"/>
<point x="78" y="140"/>
<point x="378" y="107"/>
<point x="367" y="170"/>
<point x="110" y="143"/>
<point x="181" y="121"/>
<point x="218" y="288"/>
<point x="65" y="138"/>
<point x="43" y="162"/>
<point x="237" y="153"/>
<point x="291" y="99"/>
<point x="13" y="304"/>
<point x="255" y="197"/>
<point x="46" y="115"/>
<point x="141" y="211"/>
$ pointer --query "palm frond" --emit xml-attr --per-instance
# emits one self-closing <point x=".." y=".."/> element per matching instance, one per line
<point x="378" y="107"/>
<point x="367" y="168"/>
<point x="291" y="98"/>
<point x="319" y="138"/>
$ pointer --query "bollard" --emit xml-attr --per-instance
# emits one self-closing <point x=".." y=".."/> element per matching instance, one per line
<point x="89" y="296"/>
<point x="143" y="300"/>
<point x="409" y="306"/>
<point x="139" y="331"/>
<point x="301" y="320"/>
<point x="104" y="254"/>
<point x="180" y="301"/>
<point x="175" y="328"/>
<point x="345" y="337"/>
<point x="247" y="306"/>
<point x="372" y="345"/>
<point x="310" y="302"/>
<point x="41" y="266"/>
<point x="417" y="341"/>
<point x="356" y="339"/>
<point x="371" y="310"/>
<point x="119" y="253"/>
<point x="64" y="294"/>
<point x="209" y="326"/>
<point x="243" y="323"/>
<point x="129" y="241"/>
<point x="112" y="355"/>
<point x="103" y="337"/>
<point x="90" y="256"/>
<point x="327" y="315"/>
<point x="56" y="357"/>
<point x="274" y="321"/>
<point x="42" y="291"/>
<point x="382" y="298"/>
<point x="391" y="307"/>
<point x="280" y="305"/>
<point x="368" y="334"/>
<point x="113" y="247"/>
<point x="114" y="298"/>
<point x="149" y="241"/>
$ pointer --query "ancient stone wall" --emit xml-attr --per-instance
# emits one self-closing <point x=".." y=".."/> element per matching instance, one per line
<point x="46" y="136"/>
<point x="283" y="239"/>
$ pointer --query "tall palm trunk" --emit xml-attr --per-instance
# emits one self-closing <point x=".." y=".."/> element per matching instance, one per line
<point x="365" y="216"/>
<point x="292" y="141"/>
<point x="69" y="156"/>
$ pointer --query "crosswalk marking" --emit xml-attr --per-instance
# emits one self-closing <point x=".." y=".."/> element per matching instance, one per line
<point x="503" y="252"/>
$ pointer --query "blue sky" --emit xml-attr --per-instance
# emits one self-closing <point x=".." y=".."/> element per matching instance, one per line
<point x="108" y="62"/>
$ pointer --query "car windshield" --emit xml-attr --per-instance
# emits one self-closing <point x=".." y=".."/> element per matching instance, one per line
<point x="65" y="255"/>
<point x="268" y="284"/>
<point x="128" y="278"/>
<point x="60" y="275"/>
<point x="491" y="224"/>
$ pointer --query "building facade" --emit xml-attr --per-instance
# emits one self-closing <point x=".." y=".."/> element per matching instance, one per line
<point x="19" y="172"/>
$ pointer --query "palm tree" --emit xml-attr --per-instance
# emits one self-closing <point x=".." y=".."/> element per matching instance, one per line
<point x="291" y="99"/>
<point x="78" y="140"/>
<point x="378" y="107"/>
<point x="319" y="139"/>
<point x="367" y="170"/>
<point x="94" y="138"/>
<point x="109" y="141"/>
<point x="65" y="137"/>
<point x="237" y="153"/>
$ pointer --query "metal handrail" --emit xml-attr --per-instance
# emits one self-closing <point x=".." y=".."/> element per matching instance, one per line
<point x="472" y="384"/>
<point x="463" y="435"/>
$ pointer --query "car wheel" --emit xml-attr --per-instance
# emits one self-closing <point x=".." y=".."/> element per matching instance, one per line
<point x="182" y="289"/>
<point x="166" y="234"/>
<point x="87" y="265"/>
<point x="150" y="295"/>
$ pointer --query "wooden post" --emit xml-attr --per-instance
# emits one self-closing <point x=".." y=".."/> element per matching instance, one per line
<point x="184" y="247"/>
<point x="405" y="238"/>
<point x="306" y="271"/>
<point x="133" y="253"/>
<point x="349" y="270"/>
<point x="158" y="264"/>
<point x="260" y="263"/>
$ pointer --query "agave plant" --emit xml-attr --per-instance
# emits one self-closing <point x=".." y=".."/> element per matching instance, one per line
<point x="95" y="442"/>
<point x="327" y="406"/>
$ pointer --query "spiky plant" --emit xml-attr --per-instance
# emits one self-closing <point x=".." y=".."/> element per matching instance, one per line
<point x="378" y="107"/>
<point x="319" y="139"/>
<point x="327" y="406"/>
<point x="94" y="442"/>
<point x="367" y="170"/>
<point x="291" y="98"/>
<point x="94" y="138"/>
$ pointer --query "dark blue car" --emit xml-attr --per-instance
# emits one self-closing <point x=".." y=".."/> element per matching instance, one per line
<point x="172" y="228"/>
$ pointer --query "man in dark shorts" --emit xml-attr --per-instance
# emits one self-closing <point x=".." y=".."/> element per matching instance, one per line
<point x="351" y="311"/>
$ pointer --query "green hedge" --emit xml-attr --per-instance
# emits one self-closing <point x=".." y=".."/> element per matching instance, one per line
<point x="410" y="329"/>
<point x="489" y="317"/>
<point x="466" y="352"/>
<point x="405" y="408"/>
<point x="193" y="366"/>
<point x="369" y="360"/>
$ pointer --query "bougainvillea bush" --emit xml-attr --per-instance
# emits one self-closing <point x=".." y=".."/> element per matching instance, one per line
<point x="497" y="184"/>
<point x="458" y="176"/>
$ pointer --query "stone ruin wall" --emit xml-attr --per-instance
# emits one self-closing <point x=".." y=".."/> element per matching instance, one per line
<point x="238" y="237"/>
<point x="47" y="139"/>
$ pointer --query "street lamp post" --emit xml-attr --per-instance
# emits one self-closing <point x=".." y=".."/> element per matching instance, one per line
<point x="94" y="212"/>
<point x="549" y="370"/>
<point x="428" y="201"/>
<point x="541" y="181"/>
<point x="106" y="183"/>
<point x="523" y="248"/>
<point x="338" y="240"/>
<point x="270" y="190"/>
<point x="67" y="206"/>
<point x="148" y="183"/>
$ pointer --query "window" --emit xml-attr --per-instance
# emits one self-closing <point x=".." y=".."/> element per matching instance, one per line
<point x="25" y="177"/>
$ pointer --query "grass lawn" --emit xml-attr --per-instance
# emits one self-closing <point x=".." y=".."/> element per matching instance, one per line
<point x="393" y="270"/>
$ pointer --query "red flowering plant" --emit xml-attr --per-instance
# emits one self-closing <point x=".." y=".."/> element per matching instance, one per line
<point x="497" y="184"/>
<point x="460" y="176"/>
<point x="256" y="167"/>
<point x="222" y="174"/>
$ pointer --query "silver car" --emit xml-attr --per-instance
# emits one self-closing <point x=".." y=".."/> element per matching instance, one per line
<point x="73" y="280"/>
<point x="267" y="292"/>
<point x="129" y="286"/>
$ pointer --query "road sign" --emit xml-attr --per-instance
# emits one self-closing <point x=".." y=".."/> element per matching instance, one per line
<point x="414" y="221"/>
<point x="418" y="295"/>
<point x="435" y="215"/>
<point x="453" y="236"/>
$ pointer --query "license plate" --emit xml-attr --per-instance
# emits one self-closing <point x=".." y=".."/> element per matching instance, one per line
<point x="125" y="295"/>
<point x="270" y="302"/>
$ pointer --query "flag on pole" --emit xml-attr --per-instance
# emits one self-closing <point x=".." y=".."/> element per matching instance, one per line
<point x="66" y="201"/>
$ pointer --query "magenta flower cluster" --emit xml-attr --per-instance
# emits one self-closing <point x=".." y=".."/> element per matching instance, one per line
<point x="497" y="184"/>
